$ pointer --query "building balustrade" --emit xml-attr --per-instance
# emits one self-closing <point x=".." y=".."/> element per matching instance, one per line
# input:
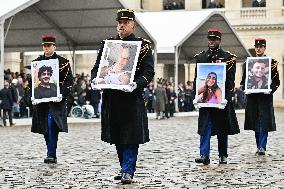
<point x="256" y="12"/>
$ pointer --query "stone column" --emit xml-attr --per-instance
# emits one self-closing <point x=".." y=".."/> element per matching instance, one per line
<point x="12" y="61"/>
<point x="159" y="70"/>
<point x="233" y="8"/>
<point x="274" y="9"/>
<point x="193" y="5"/>
<point x="186" y="72"/>
<point x="156" y="5"/>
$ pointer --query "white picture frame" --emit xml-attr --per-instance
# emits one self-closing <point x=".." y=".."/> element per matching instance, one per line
<point x="44" y="89"/>
<point x="207" y="76"/>
<point x="258" y="75"/>
<point x="118" y="64"/>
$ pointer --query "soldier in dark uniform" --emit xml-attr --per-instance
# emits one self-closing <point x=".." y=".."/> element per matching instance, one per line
<point x="50" y="118"/>
<point x="212" y="121"/>
<point x="259" y="111"/>
<point x="124" y="116"/>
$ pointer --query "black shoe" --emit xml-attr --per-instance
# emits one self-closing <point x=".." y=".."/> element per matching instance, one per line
<point x="203" y="159"/>
<point x="126" y="178"/>
<point x="261" y="152"/>
<point x="50" y="159"/>
<point x="223" y="160"/>
<point x="117" y="177"/>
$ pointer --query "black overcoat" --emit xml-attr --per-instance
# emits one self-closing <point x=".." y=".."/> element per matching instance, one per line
<point x="260" y="105"/>
<point x="57" y="109"/>
<point x="224" y="120"/>
<point x="124" y="117"/>
<point x="7" y="99"/>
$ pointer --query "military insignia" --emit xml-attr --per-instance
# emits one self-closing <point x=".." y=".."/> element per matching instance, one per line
<point x="198" y="54"/>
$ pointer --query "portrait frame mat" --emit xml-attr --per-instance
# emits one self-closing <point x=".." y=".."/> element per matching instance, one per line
<point x="54" y="64"/>
<point x="108" y="50"/>
<point x="250" y="91"/>
<point x="201" y="67"/>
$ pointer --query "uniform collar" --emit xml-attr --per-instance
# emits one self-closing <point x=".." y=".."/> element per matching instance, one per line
<point x="50" y="57"/>
<point x="131" y="36"/>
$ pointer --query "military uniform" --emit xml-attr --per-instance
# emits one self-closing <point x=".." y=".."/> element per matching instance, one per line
<point x="123" y="114"/>
<point x="50" y="118"/>
<point x="259" y="111"/>
<point x="213" y="121"/>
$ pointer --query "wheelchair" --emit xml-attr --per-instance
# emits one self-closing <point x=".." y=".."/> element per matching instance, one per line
<point x="85" y="111"/>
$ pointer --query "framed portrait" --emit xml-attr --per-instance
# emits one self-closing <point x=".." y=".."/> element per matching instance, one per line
<point x="258" y="75"/>
<point x="45" y="81"/>
<point x="210" y="85"/>
<point x="118" y="64"/>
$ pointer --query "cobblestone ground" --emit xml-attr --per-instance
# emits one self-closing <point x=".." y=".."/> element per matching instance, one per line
<point x="165" y="162"/>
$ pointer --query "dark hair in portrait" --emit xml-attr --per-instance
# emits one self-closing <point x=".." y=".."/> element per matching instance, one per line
<point x="210" y="91"/>
<point x="43" y="69"/>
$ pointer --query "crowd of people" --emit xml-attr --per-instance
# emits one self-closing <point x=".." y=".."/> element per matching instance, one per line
<point x="164" y="104"/>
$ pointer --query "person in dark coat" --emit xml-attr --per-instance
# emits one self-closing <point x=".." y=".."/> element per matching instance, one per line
<point x="50" y="118"/>
<point x="7" y="104"/>
<point x="161" y="100"/>
<point x="123" y="115"/>
<point x="212" y="121"/>
<point x="259" y="111"/>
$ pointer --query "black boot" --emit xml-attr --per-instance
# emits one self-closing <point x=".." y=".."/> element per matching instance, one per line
<point x="126" y="178"/>
<point x="223" y="160"/>
<point x="50" y="159"/>
<point x="203" y="159"/>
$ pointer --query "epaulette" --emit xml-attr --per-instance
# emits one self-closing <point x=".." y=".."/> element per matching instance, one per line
<point x="145" y="47"/>
<point x="198" y="54"/>
<point x="274" y="64"/>
<point x="145" y="40"/>
<point x="233" y="55"/>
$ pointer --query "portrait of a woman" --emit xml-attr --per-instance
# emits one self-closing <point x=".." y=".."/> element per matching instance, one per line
<point x="210" y="91"/>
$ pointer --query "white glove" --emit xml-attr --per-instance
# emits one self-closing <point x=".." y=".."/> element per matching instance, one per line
<point x="195" y="101"/>
<point x="130" y="87"/>
<point x="224" y="102"/>
<point x="133" y="86"/>
<point x="95" y="82"/>
<point x="267" y="92"/>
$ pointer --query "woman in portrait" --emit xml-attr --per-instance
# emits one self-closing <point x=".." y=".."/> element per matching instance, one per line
<point x="211" y="92"/>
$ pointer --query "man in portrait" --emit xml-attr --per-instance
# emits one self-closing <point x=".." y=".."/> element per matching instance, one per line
<point x="45" y="89"/>
<point x="257" y="78"/>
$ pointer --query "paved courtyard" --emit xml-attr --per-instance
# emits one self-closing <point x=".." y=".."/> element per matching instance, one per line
<point x="165" y="162"/>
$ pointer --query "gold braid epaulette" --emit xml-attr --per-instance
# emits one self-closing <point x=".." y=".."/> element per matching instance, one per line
<point x="198" y="54"/>
<point x="274" y="65"/>
<point x="231" y="62"/>
<point x="145" y="47"/>
<point x="61" y="68"/>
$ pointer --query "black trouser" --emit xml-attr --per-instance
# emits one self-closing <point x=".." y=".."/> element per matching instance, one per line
<point x="5" y="116"/>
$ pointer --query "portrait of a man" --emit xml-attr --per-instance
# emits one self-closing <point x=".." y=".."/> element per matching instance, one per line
<point x="45" y="81"/>
<point x="45" y="89"/>
<point x="117" y="73"/>
<point x="258" y="73"/>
